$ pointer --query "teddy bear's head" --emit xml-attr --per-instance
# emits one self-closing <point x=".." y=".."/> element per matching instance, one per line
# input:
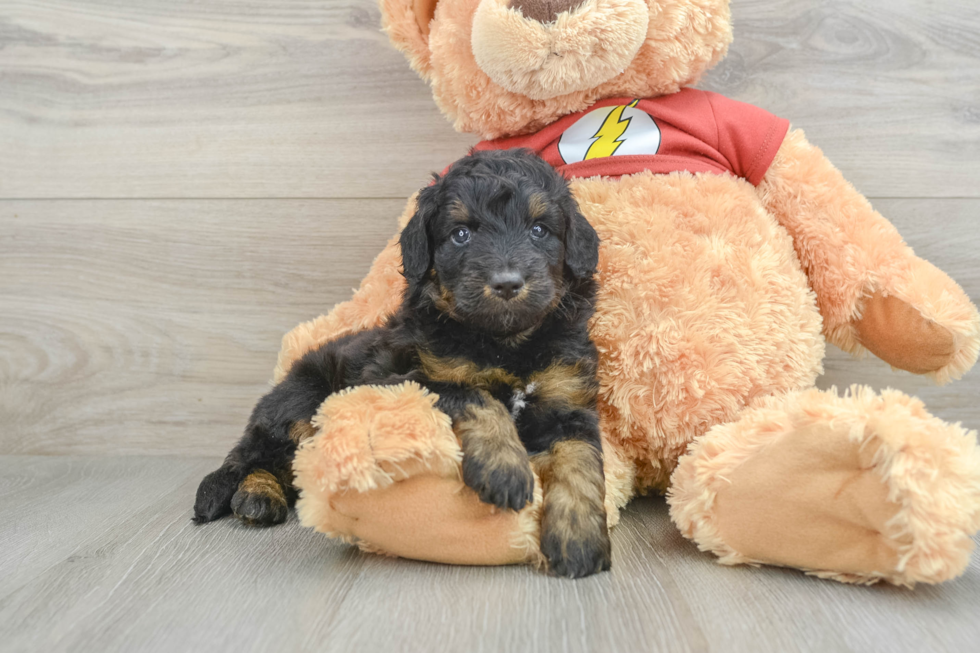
<point x="507" y="67"/>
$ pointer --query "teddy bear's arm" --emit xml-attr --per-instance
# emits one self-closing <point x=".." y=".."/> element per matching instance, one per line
<point x="378" y="296"/>
<point x="874" y="293"/>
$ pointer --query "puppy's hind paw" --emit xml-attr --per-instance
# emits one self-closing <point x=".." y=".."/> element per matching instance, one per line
<point x="214" y="495"/>
<point x="260" y="500"/>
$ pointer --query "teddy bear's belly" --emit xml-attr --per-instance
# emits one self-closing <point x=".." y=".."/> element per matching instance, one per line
<point x="702" y="307"/>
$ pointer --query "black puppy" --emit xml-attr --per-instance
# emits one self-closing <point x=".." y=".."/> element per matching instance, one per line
<point x="499" y="263"/>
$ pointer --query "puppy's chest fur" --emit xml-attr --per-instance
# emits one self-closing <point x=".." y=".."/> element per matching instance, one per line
<point x="553" y="371"/>
<point x="555" y="382"/>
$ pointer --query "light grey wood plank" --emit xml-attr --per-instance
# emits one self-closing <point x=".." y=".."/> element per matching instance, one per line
<point x="138" y="327"/>
<point x="237" y="98"/>
<point x="751" y="609"/>
<point x="133" y="574"/>
<point x="134" y="327"/>
<point x="71" y="502"/>
<point x="887" y="88"/>
<point x="295" y="98"/>
<point x="149" y="579"/>
<point x="636" y="607"/>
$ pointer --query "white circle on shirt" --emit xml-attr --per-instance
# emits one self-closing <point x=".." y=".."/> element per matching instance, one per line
<point x="610" y="131"/>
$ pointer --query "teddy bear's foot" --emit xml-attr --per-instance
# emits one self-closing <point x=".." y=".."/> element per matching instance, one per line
<point x="857" y="488"/>
<point x="384" y="473"/>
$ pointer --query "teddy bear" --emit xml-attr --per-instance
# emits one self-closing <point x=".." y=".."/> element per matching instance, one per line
<point x="731" y="251"/>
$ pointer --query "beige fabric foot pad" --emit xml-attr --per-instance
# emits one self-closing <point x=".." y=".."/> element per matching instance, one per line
<point x="383" y="472"/>
<point x="857" y="488"/>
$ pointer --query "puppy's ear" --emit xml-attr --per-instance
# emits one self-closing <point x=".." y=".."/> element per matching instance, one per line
<point x="414" y="241"/>
<point x="581" y="244"/>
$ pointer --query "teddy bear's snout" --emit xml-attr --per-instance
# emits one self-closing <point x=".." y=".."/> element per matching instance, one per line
<point x="544" y="11"/>
<point x="547" y="48"/>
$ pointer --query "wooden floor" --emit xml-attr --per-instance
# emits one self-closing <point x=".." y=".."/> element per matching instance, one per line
<point x="181" y="182"/>
<point x="99" y="554"/>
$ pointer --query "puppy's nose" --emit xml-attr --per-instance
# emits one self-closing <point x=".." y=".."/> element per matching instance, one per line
<point x="544" y="11"/>
<point x="506" y="285"/>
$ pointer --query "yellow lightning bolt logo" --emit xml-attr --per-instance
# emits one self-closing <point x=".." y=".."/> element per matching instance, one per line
<point x="608" y="135"/>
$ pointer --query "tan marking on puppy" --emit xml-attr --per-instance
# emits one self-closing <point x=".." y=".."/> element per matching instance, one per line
<point x="558" y="278"/>
<point x="565" y="385"/>
<point x="520" y="337"/>
<point x="464" y="372"/>
<point x="572" y="473"/>
<point x="442" y="298"/>
<point x="523" y="293"/>
<point x="261" y="498"/>
<point x="495" y="462"/>
<point x="458" y="211"/>
<point x="538" y="206"/>
<point x="301" y="431"/>
<point x="574" y="535"/>
<point x="265" y="483"/>
<point x="491" y="431"/>
<point x="286" y="476"/>
<point x="445" y="301"/>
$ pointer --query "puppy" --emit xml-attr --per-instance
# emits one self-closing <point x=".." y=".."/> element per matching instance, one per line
<point x="500" y="264"/>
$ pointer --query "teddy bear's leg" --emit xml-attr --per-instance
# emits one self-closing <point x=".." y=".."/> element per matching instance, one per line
<point x="857" y="488"/>
<point x="379" y="295"/>
<point x="383" y="471"/>
<point x="872" y="291"/>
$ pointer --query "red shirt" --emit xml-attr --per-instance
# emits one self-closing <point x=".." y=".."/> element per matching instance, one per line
<point x="696" y="131"/>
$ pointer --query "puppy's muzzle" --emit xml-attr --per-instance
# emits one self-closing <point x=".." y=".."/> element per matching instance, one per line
<point x="507" y="284"/>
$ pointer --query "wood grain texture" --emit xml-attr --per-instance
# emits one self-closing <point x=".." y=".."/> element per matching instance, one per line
<point x="888" y="89"/>
<point x="135" y="327"/>
<point x="153" y="327"/>
<point x="141" y="326"/>
<point x="305" y="98"/>
<point x="100" y="555"/>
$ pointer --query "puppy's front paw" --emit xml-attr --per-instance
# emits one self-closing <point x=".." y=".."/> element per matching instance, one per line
<point x="574" y="535"/>
<point x="495" y="462"/>
<point x="501" y="476"/>
<point x="260" y="500"/>
<point x="214" y="495"/>
<point x="575" y="545"/>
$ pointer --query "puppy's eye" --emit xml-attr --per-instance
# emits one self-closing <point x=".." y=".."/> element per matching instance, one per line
<point x="461" y="235"/>
<point x="539" y="231"/>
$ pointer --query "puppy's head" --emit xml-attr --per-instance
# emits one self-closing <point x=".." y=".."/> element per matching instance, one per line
<point x="497" y="241"/>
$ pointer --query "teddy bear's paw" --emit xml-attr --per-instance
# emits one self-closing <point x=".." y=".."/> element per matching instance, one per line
<point x="260" y="500"/>
<point x="500" y="475"/>
<point x="575" y="544"/>
<point x="858" y="488"/>
<point x="214" y="495"/>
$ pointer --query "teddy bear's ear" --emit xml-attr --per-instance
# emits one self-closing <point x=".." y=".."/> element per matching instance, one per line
<point x="407" y="24"/>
